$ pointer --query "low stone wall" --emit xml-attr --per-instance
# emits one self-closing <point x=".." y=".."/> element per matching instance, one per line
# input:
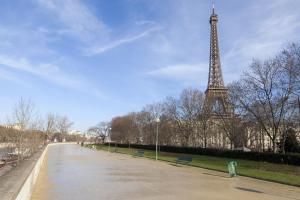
<point x="19" y="182"/>
<point x="27" y="188"/>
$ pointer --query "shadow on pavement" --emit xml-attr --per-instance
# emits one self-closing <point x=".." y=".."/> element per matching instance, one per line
<point x="223" y="176"/>
<point x="249" y="189"/>
<point x="176" y="165"/>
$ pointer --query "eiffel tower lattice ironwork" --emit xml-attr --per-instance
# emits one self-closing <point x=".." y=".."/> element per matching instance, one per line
<point x="216" y="94"/>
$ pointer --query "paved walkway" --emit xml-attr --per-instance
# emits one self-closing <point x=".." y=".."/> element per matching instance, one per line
<point x="73" y="172"/>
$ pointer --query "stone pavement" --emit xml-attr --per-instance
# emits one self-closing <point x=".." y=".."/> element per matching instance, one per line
<point x="12" y="181"/>
<point x="74" y="172"/>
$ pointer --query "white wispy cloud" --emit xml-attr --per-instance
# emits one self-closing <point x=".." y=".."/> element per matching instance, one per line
<point x="23" y="40"/>
<point x="191" y="73"/>
<point x="77" y="18"/>
<point x="9" y="76"/>
<point x="274" y="27"/>
<point x="51" y="73"/>
<point x="81" y="22"/>
<point x="145" y="22"/>
<point x="115" y="43"/>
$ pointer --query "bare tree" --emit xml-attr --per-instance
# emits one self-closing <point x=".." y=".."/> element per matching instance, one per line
<point x="141" y="121"/>
<point x="124" y="129"/>
<point x="63" y="126"/>
<point x="185" y="113"/>
<point x="100" y="131"/>
<point x="23" y="114"/>
<point x="265" y="91"/>
<point x="51" y="123"/>
<point x="151" y="113"/>
<point x="23" y="128"/>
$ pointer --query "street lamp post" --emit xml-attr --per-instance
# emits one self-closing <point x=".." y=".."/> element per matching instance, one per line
<point x="156" y="144"/>
<point x="109" y="132"/>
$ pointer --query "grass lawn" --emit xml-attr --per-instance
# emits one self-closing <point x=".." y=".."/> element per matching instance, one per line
<point x="286" y="174"/>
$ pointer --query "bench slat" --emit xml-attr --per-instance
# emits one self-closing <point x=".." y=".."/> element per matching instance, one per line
<point x="184" y="159"/>
<point x="139" y="153"/>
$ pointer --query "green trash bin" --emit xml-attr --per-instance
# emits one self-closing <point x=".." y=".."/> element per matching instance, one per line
<point x="232" y="166"/>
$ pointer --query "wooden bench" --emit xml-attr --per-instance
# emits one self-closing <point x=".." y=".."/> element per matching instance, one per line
<point x="184" y="160"/>
<point x="139" y="153"/>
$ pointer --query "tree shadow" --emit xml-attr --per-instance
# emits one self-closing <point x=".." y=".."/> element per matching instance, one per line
<point x="176" y="165"/>
<point x="249" y="189"/>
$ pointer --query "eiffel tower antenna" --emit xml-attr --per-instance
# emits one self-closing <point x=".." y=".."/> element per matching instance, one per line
<point x="213" y="7"/>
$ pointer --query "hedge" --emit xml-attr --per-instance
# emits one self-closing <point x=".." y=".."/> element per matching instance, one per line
<point x="290" y="159"/>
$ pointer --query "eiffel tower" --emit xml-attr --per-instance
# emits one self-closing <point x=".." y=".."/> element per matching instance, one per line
<point x="216" y="94"/>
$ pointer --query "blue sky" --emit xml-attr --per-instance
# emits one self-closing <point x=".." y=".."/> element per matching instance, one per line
<point x="94" y="59"/>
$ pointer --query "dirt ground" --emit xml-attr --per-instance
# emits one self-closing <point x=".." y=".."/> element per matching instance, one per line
<point x="74" y="172"/>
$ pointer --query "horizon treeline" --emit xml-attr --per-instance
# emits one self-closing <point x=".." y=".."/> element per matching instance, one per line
<point x="265" y="102"/>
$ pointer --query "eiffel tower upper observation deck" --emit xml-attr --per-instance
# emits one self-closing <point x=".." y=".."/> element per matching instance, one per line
<point x="216" y="93"/>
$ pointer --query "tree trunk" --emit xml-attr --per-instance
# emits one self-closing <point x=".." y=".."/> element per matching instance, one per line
<point x="274" y="145"/>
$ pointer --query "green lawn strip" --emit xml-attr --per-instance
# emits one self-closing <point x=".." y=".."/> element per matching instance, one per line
<point x="286" y="174"/>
